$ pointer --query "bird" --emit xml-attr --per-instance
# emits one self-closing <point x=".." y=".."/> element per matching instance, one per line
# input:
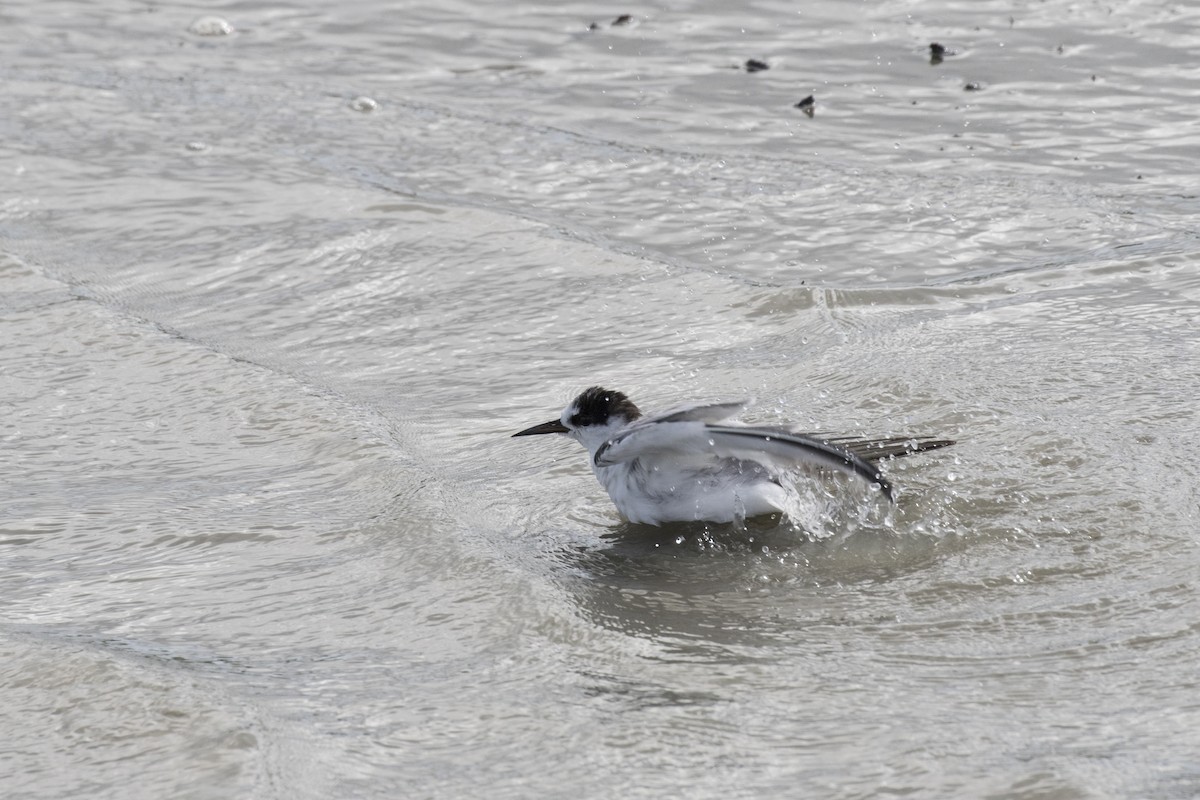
<point x="693" y="463"/>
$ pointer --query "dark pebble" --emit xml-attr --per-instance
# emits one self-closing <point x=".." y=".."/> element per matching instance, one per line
<point x="807" y="105"/>
<point x="754" y="65"/>
<point x="624" y="19"/>
<point x="973" y="86"/>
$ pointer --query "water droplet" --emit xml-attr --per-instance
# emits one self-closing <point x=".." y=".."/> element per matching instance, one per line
<point x="211" y="26"/>
<point x="197" y="147"/>
<point x="364" y="104"/>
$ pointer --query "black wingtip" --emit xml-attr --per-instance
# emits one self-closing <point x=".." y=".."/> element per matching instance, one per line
<point x="890" y="447"/>
<point x="885" y="487"/>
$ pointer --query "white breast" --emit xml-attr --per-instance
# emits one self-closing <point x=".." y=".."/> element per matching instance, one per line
<point x="649" y="493"/>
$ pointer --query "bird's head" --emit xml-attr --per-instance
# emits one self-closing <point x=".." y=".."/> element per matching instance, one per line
<point x="591" y="418"/>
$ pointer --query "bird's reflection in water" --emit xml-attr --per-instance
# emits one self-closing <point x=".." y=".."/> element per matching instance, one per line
<point x="707" y="591"/>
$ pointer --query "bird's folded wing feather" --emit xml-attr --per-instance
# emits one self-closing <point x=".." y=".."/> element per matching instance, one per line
<point x="773" y="448"/>
<point x="655" y="437"/>
<point x="709" y="412"/>
<point x="782" y="449"/>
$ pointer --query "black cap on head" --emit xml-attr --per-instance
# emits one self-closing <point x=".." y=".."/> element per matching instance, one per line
<point x="597" y="405"/>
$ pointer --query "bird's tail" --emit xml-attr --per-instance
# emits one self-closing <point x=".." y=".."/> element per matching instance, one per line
<point x="892" y="447"/>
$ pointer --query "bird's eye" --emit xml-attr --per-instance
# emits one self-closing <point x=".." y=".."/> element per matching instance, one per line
<point x="575" y="421"/>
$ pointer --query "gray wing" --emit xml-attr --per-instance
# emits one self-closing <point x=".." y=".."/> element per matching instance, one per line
<point x="771" y="447"/>
<point x="782" y="449"/>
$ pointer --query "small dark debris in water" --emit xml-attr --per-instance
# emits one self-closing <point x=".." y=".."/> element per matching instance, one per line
<point x="754" y="65"/>
<point x="1060" y="49"/>
<point x="624" y="19"/>
<point x="973" y="86"/>
<point x="1139" y="177"/>
<point x="808" y="105"/>
<point x="1093" y="79"/>
<point x="939" y="51"/>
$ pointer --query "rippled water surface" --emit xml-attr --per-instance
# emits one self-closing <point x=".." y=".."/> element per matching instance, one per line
<point x="274" y="293"/>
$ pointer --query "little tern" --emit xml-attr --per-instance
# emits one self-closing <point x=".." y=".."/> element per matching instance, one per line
<point x="693" y="464"/>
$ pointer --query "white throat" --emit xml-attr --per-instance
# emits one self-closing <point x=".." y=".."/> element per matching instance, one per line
<point x="593" y="437"/>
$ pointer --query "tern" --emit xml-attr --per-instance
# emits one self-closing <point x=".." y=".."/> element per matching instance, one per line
<point x="692" y="463"/>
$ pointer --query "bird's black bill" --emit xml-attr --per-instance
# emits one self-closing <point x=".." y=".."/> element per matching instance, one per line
<point x="553" y="426"/>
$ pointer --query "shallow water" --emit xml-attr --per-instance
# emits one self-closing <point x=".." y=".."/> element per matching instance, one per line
<point x="264" y="531"/>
